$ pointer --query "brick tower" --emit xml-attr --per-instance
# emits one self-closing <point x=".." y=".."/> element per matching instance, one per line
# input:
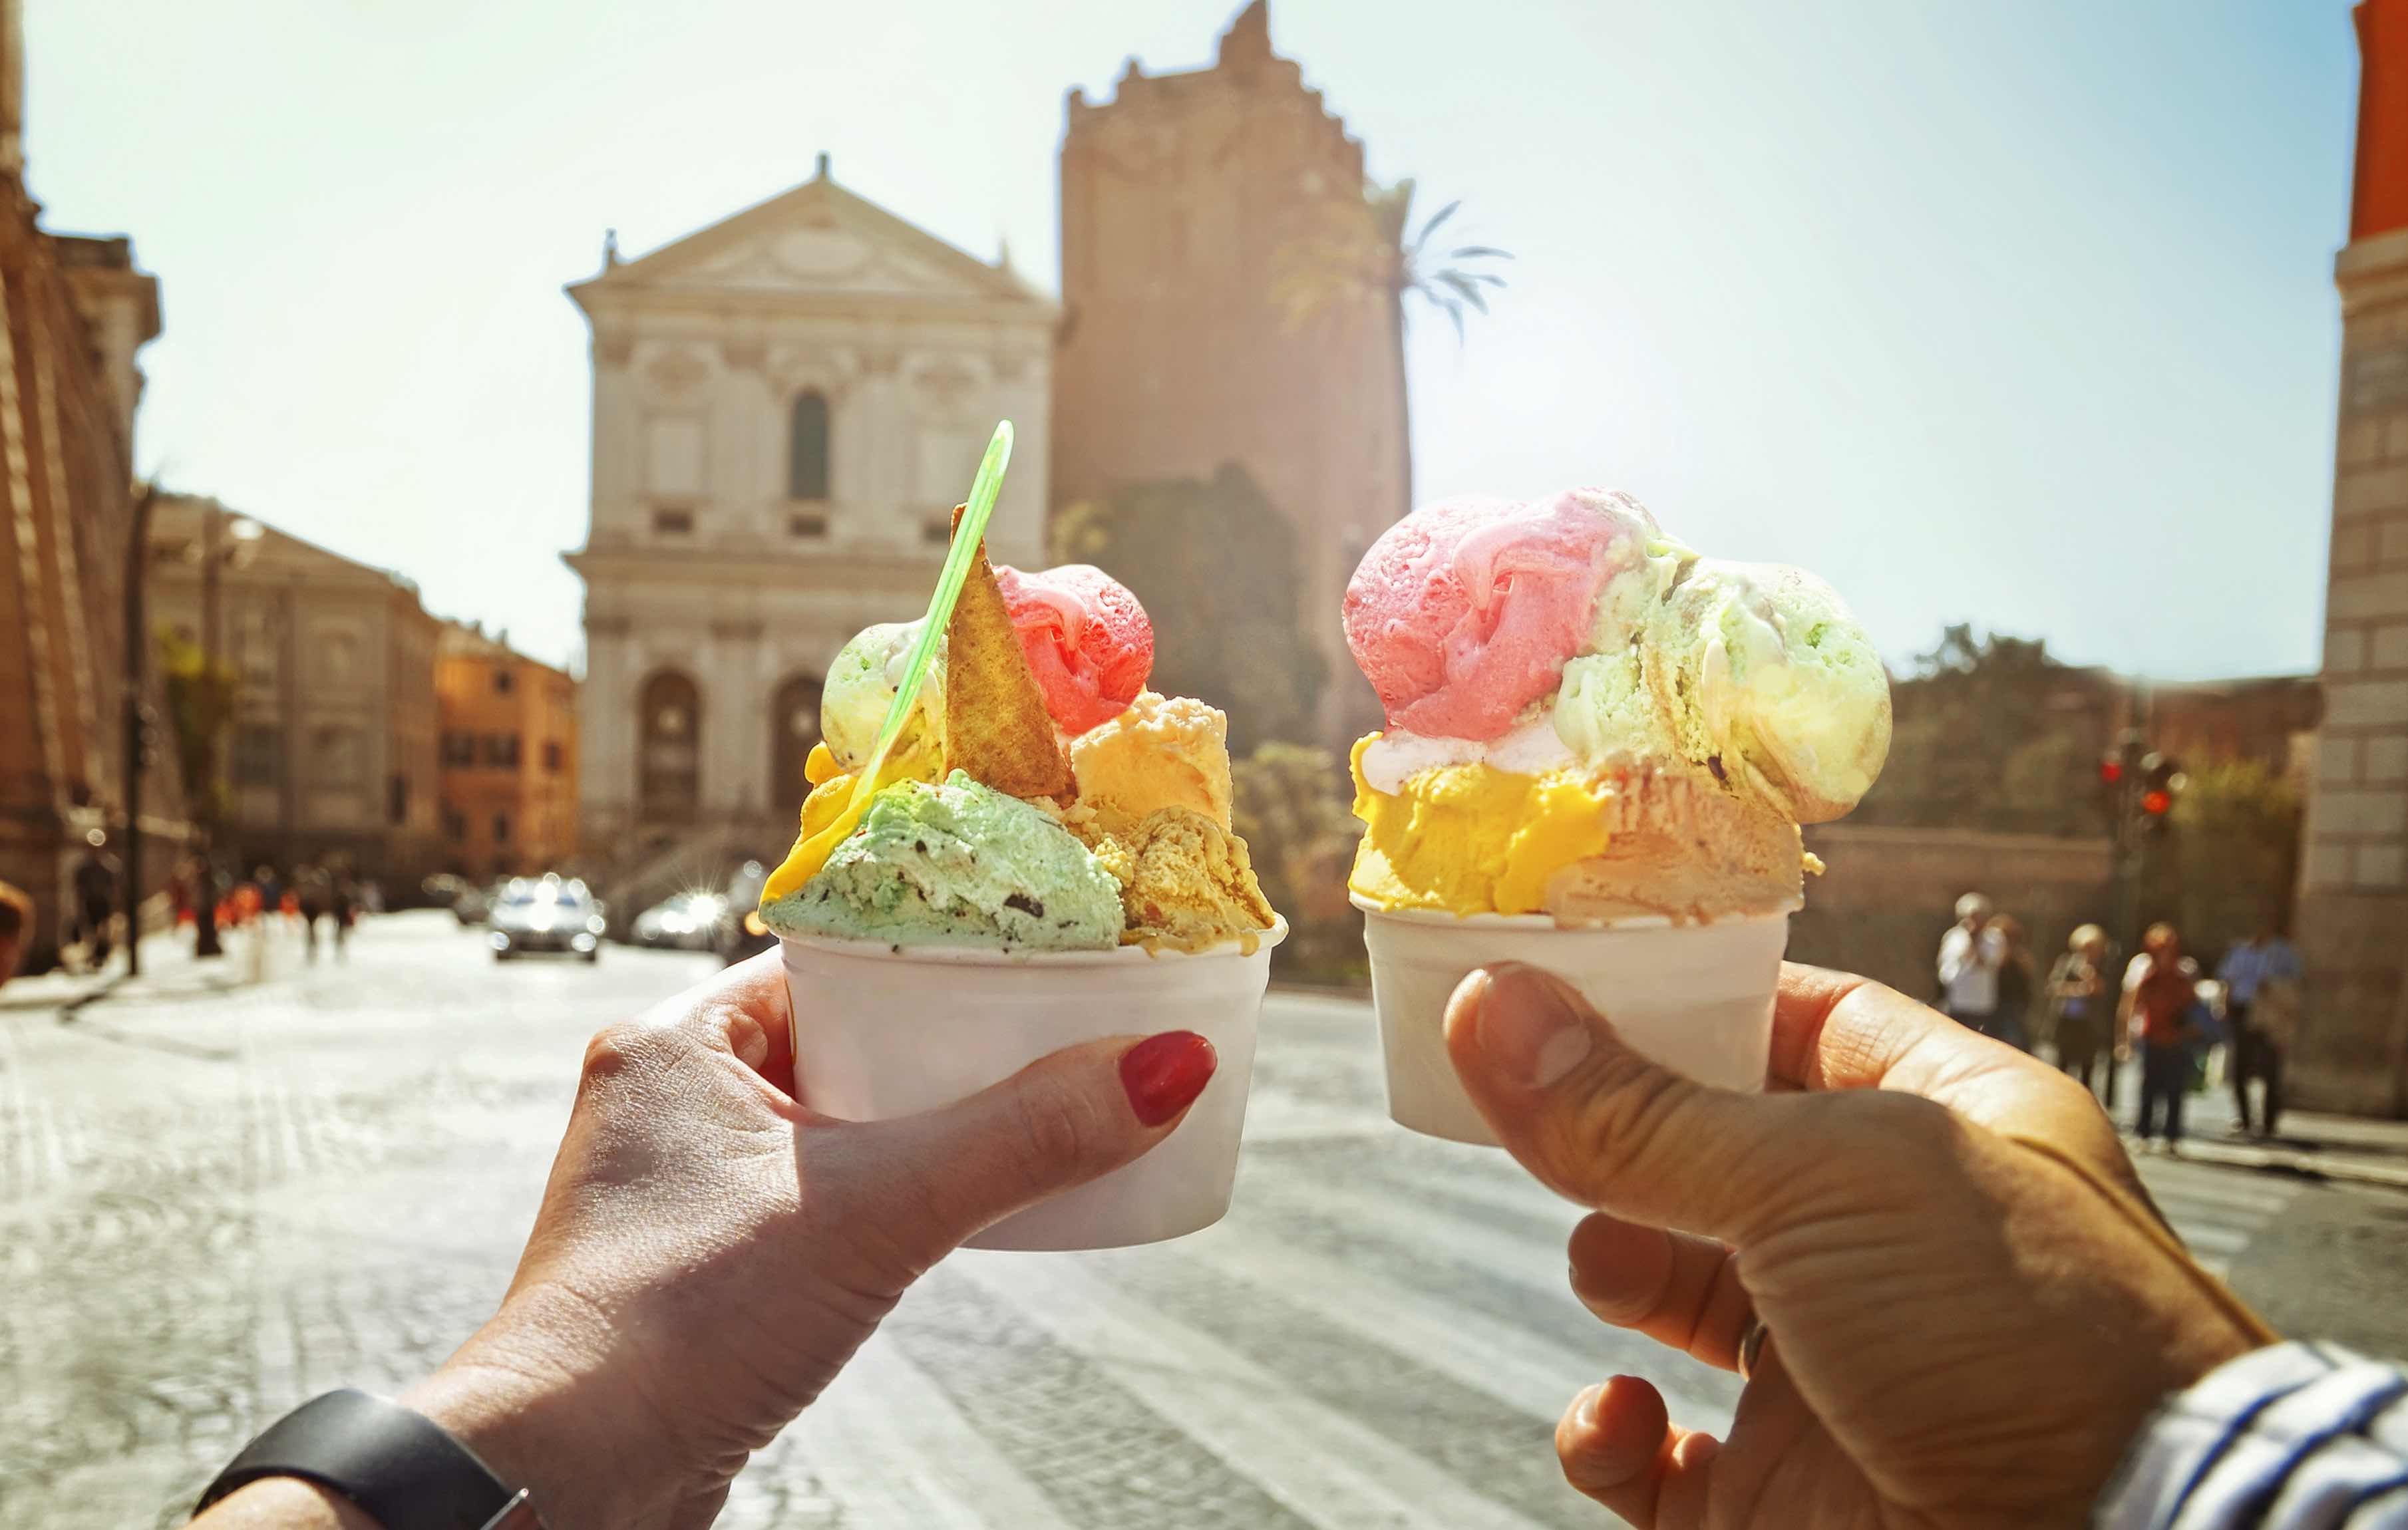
<point x="1184" y="200"/>
<point x="2353" y="1051"/>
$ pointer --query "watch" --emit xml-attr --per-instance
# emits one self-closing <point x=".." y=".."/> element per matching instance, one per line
<point x="393" y="1462"/>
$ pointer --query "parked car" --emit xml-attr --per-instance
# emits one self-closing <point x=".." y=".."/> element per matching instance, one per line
<point x="744" y="935"/>
<point x="689" y="921"/>
<point x="545" y="914"/>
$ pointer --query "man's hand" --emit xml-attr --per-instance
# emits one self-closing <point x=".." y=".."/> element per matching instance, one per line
<point x="1971" y="1304"/>
<point x="709" y="1253"/>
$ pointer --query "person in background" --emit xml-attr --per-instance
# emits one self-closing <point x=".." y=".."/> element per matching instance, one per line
<point x="1970" y="955"/>
<point x="343" y="904"/>
<point x="2077" y="990"/>
<point x="2161" y="992"/>
<point x="2010" y="1023"/>
<point x="2261" y="978"/>
<point x="316" y="901"/>
<point x="95" y="899"/>
<point x="16" y="922"/>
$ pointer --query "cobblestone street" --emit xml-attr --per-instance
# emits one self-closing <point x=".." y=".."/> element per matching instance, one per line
<point x="216" y="1203"/>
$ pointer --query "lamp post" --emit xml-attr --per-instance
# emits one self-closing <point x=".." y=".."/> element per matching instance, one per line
<point x="245" y="532"/>
<point x="138" y="545"/>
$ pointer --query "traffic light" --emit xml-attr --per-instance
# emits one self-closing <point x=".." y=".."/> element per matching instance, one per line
<point x="2161" y="783"/>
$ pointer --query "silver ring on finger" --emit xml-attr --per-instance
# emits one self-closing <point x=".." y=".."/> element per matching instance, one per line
<point x="1751" y="1348"/>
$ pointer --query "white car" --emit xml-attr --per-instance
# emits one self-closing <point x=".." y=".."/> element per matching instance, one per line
<point x="684" y="921"/>
<point x="544" y="914"/>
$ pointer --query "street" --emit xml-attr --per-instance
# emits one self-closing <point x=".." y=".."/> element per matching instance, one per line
<point x="217" y="1202"/>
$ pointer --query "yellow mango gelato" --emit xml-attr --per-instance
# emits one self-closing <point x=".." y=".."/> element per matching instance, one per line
<point x="1472" y="839"/>
<point x="1163" y="751"/>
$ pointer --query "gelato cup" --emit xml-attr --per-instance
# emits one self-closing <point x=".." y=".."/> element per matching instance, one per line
<point x="884" y="1031"/>
<point x="1696" y="997"/>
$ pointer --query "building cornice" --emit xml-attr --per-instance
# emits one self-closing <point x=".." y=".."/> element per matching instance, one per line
<point x="754" y="568"/>
<point x="2372" y="270"/>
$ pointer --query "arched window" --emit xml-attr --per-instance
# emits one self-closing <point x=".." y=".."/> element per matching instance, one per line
<point x="807" y="449"/>
<point x="793" y="728"/>
<point x="668" y="749"/>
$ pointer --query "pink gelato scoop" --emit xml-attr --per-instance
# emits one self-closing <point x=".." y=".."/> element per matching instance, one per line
<point x="1086" y="638"/>
<point x="1463" y="613"/>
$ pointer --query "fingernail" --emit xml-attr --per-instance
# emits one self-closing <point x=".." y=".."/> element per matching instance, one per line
<point x="1527" y="1029"/>
<point x="1590" y="1401"/>
<point x="1164" y="1074"/>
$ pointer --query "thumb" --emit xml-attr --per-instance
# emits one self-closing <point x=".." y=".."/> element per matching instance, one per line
<point x="1069" y="1117"/>
<point x="1599" y="1123"/>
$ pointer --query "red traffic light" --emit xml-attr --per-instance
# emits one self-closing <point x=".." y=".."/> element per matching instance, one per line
<point x="2110" y="770"/>
<point x="2156" y="803"/>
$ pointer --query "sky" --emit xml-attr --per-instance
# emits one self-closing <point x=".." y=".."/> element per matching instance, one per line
<point x="2019" y="315"/>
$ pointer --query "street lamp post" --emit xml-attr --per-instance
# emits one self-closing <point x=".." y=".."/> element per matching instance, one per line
<point x="137" y="547"/>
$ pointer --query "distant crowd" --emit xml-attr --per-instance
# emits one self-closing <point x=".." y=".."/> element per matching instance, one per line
<point x="315" y="901"/>
<point x="2163" y="1008"/>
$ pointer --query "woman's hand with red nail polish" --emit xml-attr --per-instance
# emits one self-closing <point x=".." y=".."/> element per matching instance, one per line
<point x="708" y="1253"/>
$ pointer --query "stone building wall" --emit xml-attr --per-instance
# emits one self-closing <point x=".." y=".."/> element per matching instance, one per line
<point x="1188" y="201"/>
<point x="2353" y="921"/>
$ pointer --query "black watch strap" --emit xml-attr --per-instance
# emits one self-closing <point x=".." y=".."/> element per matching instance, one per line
<point x="396" y="1463"/>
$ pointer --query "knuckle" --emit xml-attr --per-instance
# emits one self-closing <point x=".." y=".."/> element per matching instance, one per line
<point x="1622" y="1123"/>
<point x="1063" y="1134"/>
<point x="621" y="1050"/>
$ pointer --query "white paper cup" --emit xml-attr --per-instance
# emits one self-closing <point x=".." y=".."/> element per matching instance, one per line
<point x="880" y="1031"/>
<point x="1695" y="997"/>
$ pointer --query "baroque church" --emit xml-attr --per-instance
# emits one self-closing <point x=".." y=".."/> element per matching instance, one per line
<point x="786" y="407"/>
<point x="787" y="404"/>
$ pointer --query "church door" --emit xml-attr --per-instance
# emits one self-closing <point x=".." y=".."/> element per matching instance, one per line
<point x="670" y="749"/>
<point x="793" y="728"/>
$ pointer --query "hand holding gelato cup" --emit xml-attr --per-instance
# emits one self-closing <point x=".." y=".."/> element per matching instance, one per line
<point x="1599" y="749"/>
<point x="1043" y="859"/>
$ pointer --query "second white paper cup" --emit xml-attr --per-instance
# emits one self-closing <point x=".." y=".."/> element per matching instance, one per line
<point x="1697" y="998"/>
<point x="880" y="1031"/>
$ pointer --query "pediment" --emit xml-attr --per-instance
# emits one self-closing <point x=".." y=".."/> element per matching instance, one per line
<point x="819" y="240"/>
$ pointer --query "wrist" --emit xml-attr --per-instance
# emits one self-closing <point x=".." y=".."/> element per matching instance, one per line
<point x="521" y="1396"/>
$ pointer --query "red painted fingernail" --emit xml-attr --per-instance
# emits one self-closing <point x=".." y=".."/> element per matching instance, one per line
<point x="1164" y="1074"/>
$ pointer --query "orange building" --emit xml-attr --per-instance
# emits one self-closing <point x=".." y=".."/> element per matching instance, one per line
<point x="508" y="758"/>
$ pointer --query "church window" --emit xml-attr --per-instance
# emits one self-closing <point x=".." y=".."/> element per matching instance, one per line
<point x="806" y="526"/>
<point x="793" y="728"/>
<point x="669" y="757"/>
<point x="672" y="521"/>
<point x="806" y="448"/>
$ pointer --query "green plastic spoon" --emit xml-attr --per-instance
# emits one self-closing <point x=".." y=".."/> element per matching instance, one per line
<point x="810" y="854"/>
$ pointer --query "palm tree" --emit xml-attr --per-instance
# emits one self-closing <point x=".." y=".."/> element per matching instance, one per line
<point x="1372" y="248"/>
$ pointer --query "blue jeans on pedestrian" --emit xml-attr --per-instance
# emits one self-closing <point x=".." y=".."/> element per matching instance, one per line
<point x="2164" y="1081"/>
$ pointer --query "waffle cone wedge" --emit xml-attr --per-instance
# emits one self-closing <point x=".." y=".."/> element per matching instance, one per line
<point x="996" y="727"/>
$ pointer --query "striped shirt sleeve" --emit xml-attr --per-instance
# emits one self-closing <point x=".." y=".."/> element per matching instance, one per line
<point x="2299" y="1437"/>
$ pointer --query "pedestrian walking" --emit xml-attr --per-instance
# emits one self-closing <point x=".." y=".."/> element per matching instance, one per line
<point x="2159" y="1016"/>
<point x="2078" y="994"/>
<point x="1969" y="956"/>
<point x="2011" y="1021"/>
<point x="16" y="923"/>
<point x="2262" y="977"/>
<point x="342" y="908"/>
<point x="95" y="880"/>
<point x="311" y="891"/>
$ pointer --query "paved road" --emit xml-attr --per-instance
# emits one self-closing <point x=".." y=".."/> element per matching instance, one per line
<point x="213" y="1206"/>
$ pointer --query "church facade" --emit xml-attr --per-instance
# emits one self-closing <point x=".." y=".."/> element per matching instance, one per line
<point x="786" y="407"/>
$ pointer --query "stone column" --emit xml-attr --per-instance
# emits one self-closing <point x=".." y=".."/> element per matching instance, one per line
<point x="2352" y="1052"/>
